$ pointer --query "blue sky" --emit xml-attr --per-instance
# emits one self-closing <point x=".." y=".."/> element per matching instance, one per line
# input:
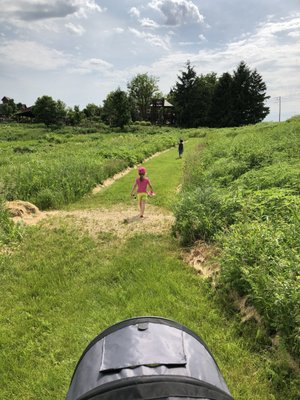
<point x="80" y="50"/>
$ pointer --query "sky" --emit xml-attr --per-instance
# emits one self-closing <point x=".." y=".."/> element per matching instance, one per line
<point x="78" y="51"/>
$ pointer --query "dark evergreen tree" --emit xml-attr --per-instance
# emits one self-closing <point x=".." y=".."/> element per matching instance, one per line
<point x="222" y="103"/>
<point x="240" y="92"/>
<point x="258" y="97"/>
<point x="205" y="87"/>
<point x="192" y="96"/>
<point x="249" y="95"/>
<point x="183" y="96"/>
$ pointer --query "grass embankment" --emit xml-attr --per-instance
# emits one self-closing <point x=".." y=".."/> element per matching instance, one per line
<point x="61" y="287"/>
<point x="243" y="195"/>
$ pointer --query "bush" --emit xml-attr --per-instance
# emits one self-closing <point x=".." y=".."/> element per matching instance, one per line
<point x="261" y="260"/>
<point x="47" y="199"/>
<point x="9" y="232"/>
<point x="202" y="213"/>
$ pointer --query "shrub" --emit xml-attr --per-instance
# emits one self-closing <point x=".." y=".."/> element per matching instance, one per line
<point x="202" y="213"/>
<point x="261" y="260"/>
<point x="47" y="199"/>
<point x="24" y="149"/>
<point x="9" y="231"/>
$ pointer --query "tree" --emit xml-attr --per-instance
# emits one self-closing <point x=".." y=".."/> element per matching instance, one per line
<point x="8" y="109"/>
<point x="49" y="111"/>
<point x="74" y="115"/>
<point x="258" y="96"/>
<point x="222" y="103"/>
<point x="142" y="89"/>
<point x="249" y="95"/>
<point x="91" y="111"/>
<point x="192" y="96"/>
<point x="116" y="108"/>
<point x="183" y="96"/>
<point x="204" y="90"/>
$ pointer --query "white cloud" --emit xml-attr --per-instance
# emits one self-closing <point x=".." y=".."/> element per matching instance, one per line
<point x="294" y="34"/>
<point x="276" y="61"/>
<point x="117" y="30"/>
<point x="134" y="12"/>
<point x="177" y="12"/>
<point x="32" y="55"/>
<point x="272" y="28"/>
<point x="96" y="63"/>
<point x="201" y="37"/>
<point x="75" y="29"/>
<point x="154" y="40"/>
<point x="148" y="23"/>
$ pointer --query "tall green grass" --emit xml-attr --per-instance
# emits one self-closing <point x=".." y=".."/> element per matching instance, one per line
<point x="9" y="231"/>
<point x="241" y="191"/>
<point x="52" y="169"/>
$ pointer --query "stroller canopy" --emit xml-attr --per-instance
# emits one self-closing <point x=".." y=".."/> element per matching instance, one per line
<point x="147" y="358"/>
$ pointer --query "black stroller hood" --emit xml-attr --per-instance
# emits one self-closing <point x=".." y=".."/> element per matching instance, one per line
<point x="147" y="358"/>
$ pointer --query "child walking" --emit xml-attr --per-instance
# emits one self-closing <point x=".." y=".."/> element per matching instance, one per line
<point x="141" y="183"/>
<point x="180" y="148"/>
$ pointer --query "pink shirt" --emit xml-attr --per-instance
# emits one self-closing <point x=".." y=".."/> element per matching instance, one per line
<point x="142" y="185"/>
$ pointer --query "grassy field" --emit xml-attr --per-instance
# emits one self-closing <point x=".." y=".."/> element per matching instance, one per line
<point x="51" y="169"/>
<point x="60" y="286"/>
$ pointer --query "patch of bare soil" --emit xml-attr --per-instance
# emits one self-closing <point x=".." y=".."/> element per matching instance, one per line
<point x="121" y="222"/>
<point x="200" y="257"/>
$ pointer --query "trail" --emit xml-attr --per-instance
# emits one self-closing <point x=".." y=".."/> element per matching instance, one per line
<point x="122" y="221"/>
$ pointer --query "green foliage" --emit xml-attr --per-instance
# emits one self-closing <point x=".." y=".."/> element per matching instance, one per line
<point x="7" y="109"/>
<point x="227" y="101"/>
<point x="9" y="232"/>
<point x="116" y="109"/>
<point x="49" y="111"/>
<point x="261" y="260"/>
<point x="242" y="191"/>
<point x="141" y="90"/>
<point x="249" y="95"/>
<point x="54" y="169"/>
<point x="203" y="212"/>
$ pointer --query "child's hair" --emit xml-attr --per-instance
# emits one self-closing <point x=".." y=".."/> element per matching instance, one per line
<point x="142" y="171"/>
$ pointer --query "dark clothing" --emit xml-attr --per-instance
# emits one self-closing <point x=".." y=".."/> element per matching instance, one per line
<point x="180" y="149"/>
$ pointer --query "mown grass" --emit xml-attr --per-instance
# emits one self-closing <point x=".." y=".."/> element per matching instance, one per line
<point x="165" y="173"/>
<point x="61" y="288"/>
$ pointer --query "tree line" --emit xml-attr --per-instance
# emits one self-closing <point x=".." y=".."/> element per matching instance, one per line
<point x="199" y="100"/>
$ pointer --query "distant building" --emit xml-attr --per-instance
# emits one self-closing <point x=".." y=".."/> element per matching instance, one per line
<point x="162" y="112"/>
<point x="25" y="113"/>
<point x="6" y="99"/>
